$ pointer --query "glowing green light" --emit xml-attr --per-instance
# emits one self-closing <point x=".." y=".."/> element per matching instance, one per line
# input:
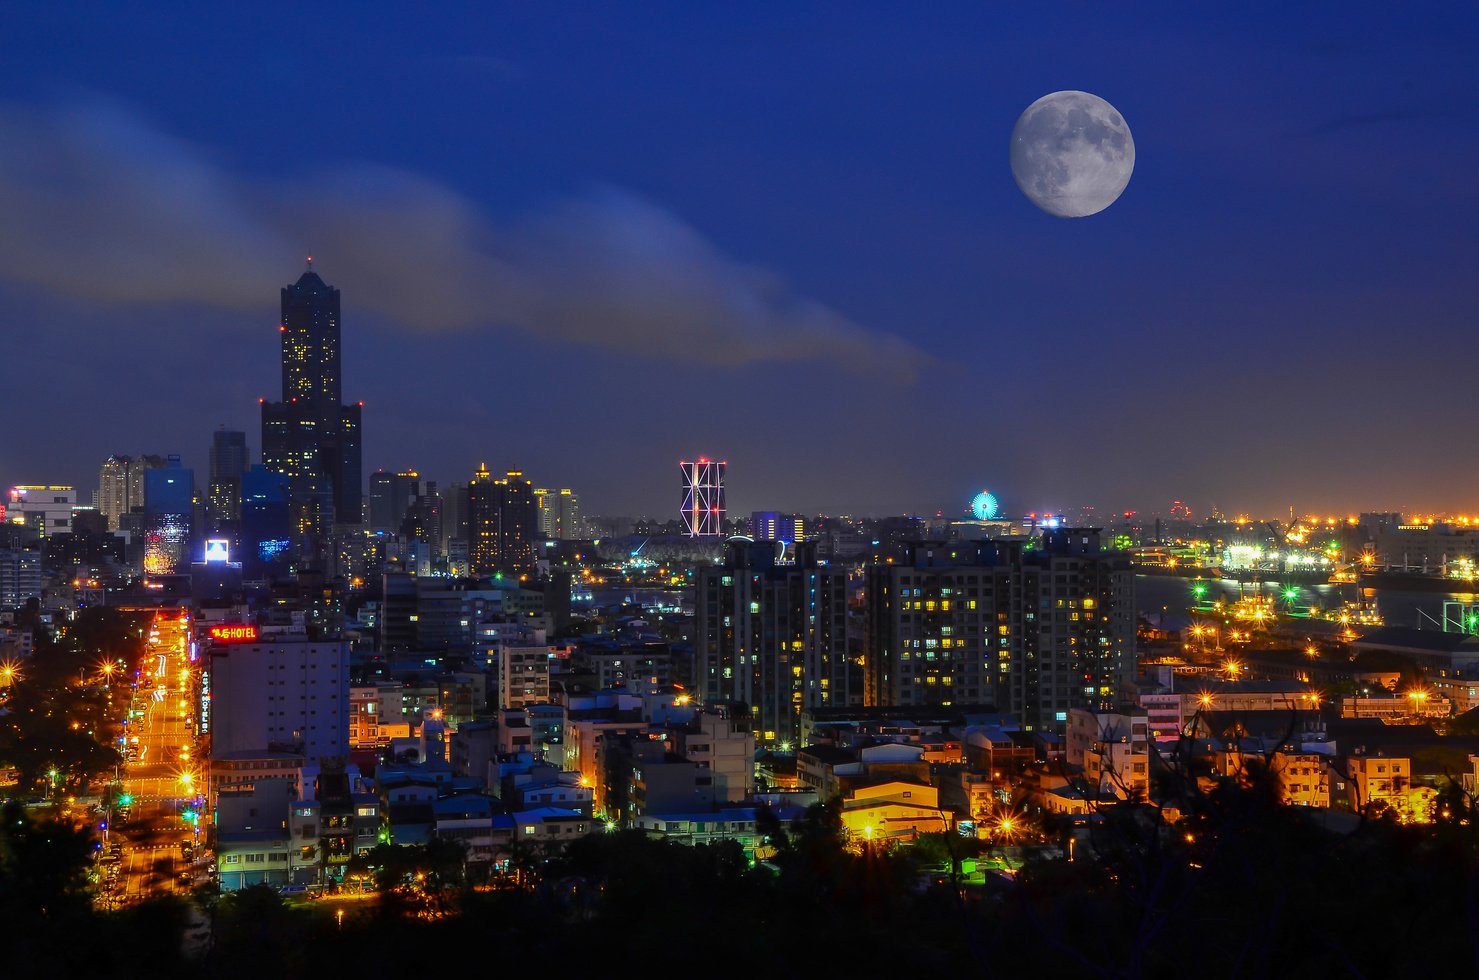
<point x="1291" y="593"/>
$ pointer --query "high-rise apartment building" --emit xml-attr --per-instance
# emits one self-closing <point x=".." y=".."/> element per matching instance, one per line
<point x="703" y="498"/>
<point x="559" y="513"/>
<point x="310" y="436"/>
<point x="518" y="522"/>
<point x="502" y="522"/>
<point x="20" y="577"/>
<point x="482" y="522"/>
<point x="228" y="461"/>
<point x="1034" y="627"/>
<point x="523" y="676"/>
<point x="773" y="634"/>
<point x="770" y="525"/>
<point x="279" y="694"/>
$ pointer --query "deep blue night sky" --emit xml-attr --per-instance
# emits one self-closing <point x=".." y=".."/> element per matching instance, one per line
<point x="591" y="240"/>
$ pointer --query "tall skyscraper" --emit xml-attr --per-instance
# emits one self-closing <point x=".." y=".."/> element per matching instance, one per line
<point x="138" y="468"/>
<point x="518" y="522"/>
<point x="229" y="460"/>
<point x="559" y="513"/>
<point x="113" y="487"/>
<point x="703" y="498"/>
<point x="169" y="502"/>
<point x="391" y="496"/>
<point x="266" y="520"/>
<point x="482" y="522"/>
<point x="773" y="634"/>
<point x="121" y="485"/>
<point x="456" y="529"/>
<point x="502" y="522"/>
<point x="310" y="436"/>
<point x="1035" y="628"/>
<point x="422" y="521"/>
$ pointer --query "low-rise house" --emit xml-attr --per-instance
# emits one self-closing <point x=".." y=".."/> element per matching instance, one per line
<point x="550" y="828"/>
<point x="468" y="819"/>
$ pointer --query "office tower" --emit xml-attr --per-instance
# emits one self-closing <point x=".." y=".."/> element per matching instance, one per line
<point x="703" y="498"/>
<point x="138" y="467"/>
<point x="169" y="490"/>
<point x="169" y="502"/>
<point x="559" y="513"/>
<point x="502" y="522"/>
<point x="773" y="634"/>
<point x="279" y="694"/>
<point x="113" y="487"/>
<point x="266" y="521"/>
<point x="1035" y="628"/>
<point x="391" y="496"/>
<point x="455" y="515"/>
<point x="310" y="436"/>
<point x="455" y="531"/>
<point x="47" y="507"/>
<point x="228" y="460"/>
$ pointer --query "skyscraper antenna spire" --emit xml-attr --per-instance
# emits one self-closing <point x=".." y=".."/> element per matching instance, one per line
<point x="310" y="263"/>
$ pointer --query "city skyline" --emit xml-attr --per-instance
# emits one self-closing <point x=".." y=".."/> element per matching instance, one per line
<point x="1071" y="566"/>
<point x="1222" y="335"/>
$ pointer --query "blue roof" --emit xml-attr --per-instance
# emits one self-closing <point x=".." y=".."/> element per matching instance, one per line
<point x="546" y="813"/>
<point x="471" y="804"/>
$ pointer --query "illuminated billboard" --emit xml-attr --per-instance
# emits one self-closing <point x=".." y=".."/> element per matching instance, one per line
<point x="217" y="550"/>
<point x="234" y="634"/>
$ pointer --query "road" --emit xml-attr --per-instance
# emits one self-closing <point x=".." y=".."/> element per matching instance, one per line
<point x="151" y="837"/>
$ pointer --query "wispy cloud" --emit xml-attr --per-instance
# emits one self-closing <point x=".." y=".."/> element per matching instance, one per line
<point x="96" y="204"/>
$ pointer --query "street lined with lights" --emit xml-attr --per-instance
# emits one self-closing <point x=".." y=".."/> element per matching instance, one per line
<point x="160" y="790"/>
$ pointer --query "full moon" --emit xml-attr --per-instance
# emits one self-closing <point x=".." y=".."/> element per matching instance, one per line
<point x="1072" y="154"/>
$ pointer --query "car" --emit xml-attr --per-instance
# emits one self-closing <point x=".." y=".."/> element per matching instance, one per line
<point x="287" y="891"/>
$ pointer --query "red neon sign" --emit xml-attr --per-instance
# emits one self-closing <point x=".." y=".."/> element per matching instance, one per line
<point x="234" y="634"/>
